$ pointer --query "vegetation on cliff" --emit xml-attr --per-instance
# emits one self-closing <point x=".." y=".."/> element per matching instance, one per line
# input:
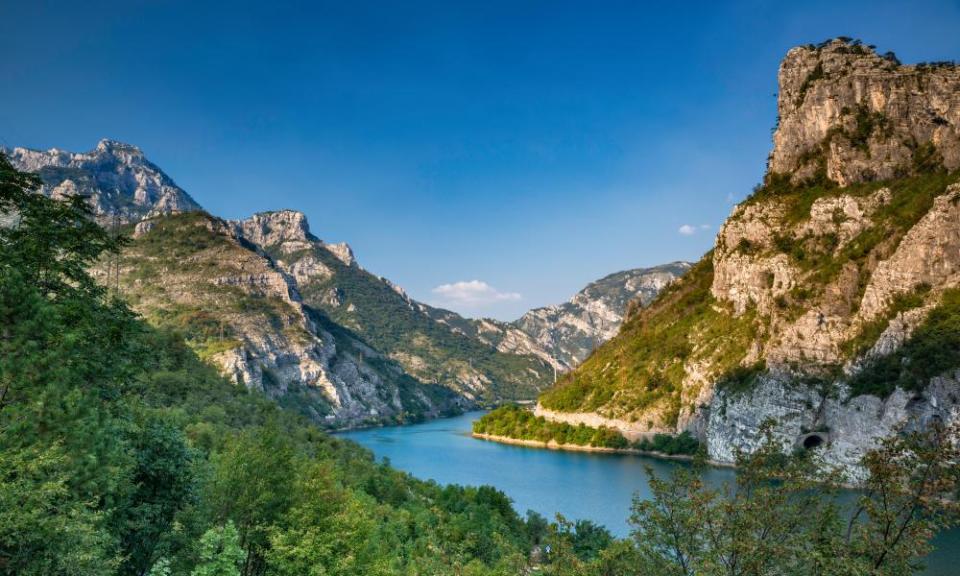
<point x="641" y="370"/>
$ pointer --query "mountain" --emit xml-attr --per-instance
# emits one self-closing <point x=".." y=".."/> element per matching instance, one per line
<point x="123" y="186"/>
<point x="565" y="334"/>
<point x="331" y="281"/>
<point x="240" y="310"/>
<point x="276" y="308"/>
<point x="830" y="303"/>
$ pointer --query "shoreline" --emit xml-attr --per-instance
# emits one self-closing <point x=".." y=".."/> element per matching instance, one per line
<point x="554" y="445"/>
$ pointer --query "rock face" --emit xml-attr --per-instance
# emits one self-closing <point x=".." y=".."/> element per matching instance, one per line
<point x="119" y="180"/>
<point x="565" y="334"/>
<point x="862" y="116"/>
<point x="848" y="258"/>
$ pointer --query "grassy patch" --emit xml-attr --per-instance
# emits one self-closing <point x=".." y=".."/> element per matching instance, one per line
<point x="871" y="331"/>
<point x="932" y="349"/>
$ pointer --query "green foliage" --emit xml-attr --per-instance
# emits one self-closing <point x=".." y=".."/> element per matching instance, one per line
<point x="932" y="349"/>
<point x="867" y="123"/>
<point x="684" y="444"/>
<point x="44" y="529"/>
<point x="220" y="552"/>
<point x="813" y="76"/>
<point x="515" y="422"/>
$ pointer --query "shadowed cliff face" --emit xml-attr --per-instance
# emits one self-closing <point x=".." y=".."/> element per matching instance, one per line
<point x="857" y="116"/>
<point x="827" y="290"/>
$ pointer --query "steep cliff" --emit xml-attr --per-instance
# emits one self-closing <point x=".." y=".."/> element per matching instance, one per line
<point x="828" y="304"/>
<point x="859" y="116"/>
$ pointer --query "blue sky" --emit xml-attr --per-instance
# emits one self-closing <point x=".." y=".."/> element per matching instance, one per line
<point x="487" y="156"/>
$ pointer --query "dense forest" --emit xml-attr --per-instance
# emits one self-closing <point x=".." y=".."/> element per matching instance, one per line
<point x="121" y="452"/>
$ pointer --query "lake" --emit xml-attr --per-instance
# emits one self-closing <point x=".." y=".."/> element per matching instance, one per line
<point x="579" y="485"/>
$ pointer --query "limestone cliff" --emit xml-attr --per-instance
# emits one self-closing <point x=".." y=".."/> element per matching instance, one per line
<point x="861" y="116"/>
<point x="830" y="303"/>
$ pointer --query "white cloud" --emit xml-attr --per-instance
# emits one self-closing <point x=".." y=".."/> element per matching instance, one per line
<point x="471" y="294"/>
<point x="690" y="229"/>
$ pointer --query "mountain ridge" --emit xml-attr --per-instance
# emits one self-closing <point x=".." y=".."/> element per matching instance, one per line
<point x="279" y="310"/>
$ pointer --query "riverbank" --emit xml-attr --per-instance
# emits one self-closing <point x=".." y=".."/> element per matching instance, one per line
<point x="554" y="445"/>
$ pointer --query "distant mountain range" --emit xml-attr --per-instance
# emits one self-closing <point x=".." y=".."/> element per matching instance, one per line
<point x="279" y="310"/>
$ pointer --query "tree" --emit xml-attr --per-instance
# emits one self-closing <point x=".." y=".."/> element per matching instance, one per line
<point x="44" y="531"/>
<point x="253" y="483"/>
<point x="165" y="483"/>
<point x="783" y="516"/>
<point x="220" y="552"/>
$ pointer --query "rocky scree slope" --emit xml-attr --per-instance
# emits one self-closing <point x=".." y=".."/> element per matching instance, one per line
<point x="565" y="334"/>
<point x="830" y="304"/>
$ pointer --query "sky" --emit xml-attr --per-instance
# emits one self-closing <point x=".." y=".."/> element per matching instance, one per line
<point x="488" y="156"/>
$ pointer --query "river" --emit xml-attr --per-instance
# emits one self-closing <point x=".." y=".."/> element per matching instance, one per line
<point x="579" y="485"/>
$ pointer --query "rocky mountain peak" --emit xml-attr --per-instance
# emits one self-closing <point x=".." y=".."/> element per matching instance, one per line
<point x="852" y="115"/>
<point x="117" y="148"/>
<point x="117" y="177"/>
<point x="287" y="230"/>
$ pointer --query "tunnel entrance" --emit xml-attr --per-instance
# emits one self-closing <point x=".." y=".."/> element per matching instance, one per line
<point x="812" y="441"/>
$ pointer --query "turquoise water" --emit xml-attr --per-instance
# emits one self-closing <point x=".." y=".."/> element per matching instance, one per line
<point x="598" y="487"/>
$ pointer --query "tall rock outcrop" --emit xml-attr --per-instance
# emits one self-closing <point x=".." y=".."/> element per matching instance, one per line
<point x="861" y="116"/>
<point x="830" y="304"/>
